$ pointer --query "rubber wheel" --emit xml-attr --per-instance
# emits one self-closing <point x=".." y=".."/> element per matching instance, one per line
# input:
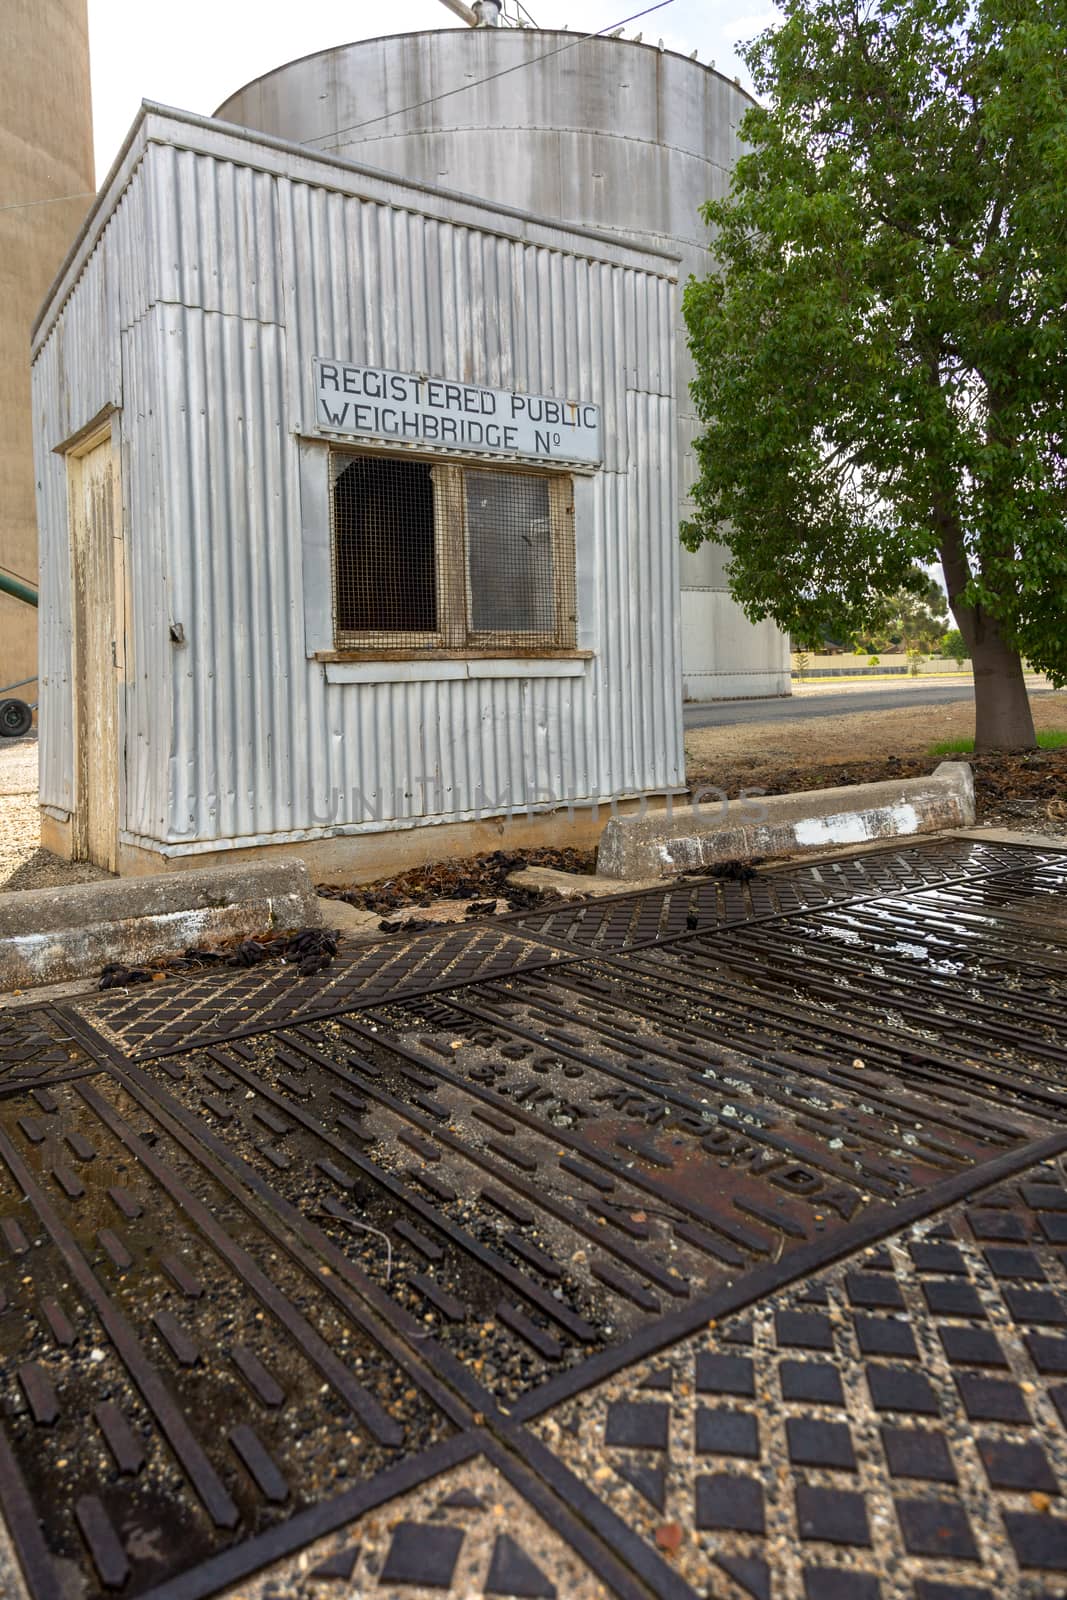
<point x="16" y="719"/>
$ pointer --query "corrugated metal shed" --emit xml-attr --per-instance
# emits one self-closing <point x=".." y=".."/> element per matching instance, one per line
<point x="214" y="267"/>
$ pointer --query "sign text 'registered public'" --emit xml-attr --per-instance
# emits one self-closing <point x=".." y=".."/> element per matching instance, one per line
<point x="372" y="403"/>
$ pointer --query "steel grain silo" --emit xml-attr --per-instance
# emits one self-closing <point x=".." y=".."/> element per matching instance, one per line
<point x="606" y="133"/>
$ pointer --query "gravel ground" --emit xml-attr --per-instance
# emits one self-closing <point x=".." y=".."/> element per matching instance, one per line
<point x="23" y="864"/>
<point x="18" y="766"/>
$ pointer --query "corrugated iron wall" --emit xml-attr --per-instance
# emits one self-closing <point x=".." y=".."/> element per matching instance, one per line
<point x="77" y="374"/>
<point x="236" y="734"/>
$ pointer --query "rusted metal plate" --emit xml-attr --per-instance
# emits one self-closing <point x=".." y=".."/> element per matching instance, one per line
<point x="704" y="902"/>
<point x="177" y="1373"/>
<point x="215" y="1004"/>
<point x="35" y="1045"/>
<point x="308" y="1251"/>
<point x="541" y="1165"/>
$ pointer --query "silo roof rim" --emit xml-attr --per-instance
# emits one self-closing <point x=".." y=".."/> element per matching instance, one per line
<point x="615" y="249"/>
<point x="429" y="33"/>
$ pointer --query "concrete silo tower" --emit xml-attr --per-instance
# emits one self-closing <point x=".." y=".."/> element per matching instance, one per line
<point x="46" y="156"/>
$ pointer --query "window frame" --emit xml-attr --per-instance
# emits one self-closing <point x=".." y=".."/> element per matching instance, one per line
<point x="455" y="636"/>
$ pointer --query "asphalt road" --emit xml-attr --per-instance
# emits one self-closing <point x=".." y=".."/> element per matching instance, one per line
<point x="825" y="703"/>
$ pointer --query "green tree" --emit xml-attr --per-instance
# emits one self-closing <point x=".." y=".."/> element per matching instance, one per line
<point x="914" y="618"/>
<point x="954" y="645"/>
<point x="881" y="346"/>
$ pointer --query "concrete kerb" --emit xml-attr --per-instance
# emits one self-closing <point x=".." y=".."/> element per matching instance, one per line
<point x="773" y="826"/>
<point x="52" y="935"/>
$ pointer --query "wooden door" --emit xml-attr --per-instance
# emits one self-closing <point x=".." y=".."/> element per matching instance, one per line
<point x="93" y="531"/>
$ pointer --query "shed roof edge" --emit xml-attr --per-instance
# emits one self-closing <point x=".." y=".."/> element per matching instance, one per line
<point x="214" y="135"/>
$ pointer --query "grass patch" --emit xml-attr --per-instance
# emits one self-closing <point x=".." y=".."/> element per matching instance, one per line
<point x="1049" y="739"/>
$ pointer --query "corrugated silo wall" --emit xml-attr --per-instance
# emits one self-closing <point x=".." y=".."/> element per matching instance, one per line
<point x="602" y="133"/>
<point x="256" y="262"/>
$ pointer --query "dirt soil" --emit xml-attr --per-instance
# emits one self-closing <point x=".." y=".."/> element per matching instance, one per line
<point x="476" y="878"/>
<point x="1028" y="789"/>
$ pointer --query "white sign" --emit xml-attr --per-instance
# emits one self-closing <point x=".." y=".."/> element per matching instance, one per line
<point x="371" y="403"/>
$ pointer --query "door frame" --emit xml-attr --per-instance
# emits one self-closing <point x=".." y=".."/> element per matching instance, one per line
<point x="75" y="451"/>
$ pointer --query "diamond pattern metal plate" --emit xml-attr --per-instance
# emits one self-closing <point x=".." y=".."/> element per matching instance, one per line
<point x="893" y="1428"/>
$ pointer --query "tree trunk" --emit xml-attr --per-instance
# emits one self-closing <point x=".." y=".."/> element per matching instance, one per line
<point x="1003" y="719"/>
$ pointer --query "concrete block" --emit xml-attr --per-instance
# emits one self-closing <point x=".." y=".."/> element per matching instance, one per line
<point x="784" y="825"/>
<point x="355" y="923"/>
<point x="351" y="921"/>
<point x="50" y="935"/>
<point x="573" y="885"/>
<point x="443" y="911"/>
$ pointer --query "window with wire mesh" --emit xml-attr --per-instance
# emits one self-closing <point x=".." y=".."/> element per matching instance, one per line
<point x="440" y="557"/>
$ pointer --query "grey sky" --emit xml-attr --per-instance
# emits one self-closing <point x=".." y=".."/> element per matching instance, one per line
<point x="205" y="49"/>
